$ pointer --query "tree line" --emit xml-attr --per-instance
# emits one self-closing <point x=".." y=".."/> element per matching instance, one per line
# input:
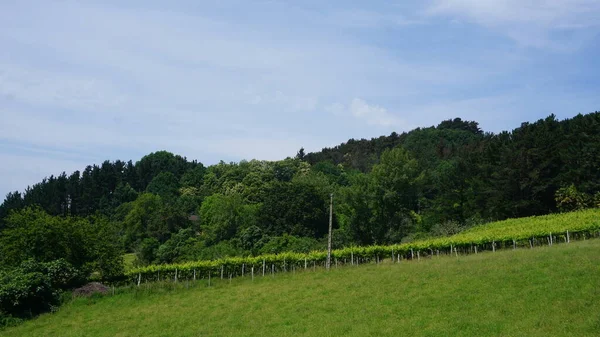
<point x="426" y="182"/>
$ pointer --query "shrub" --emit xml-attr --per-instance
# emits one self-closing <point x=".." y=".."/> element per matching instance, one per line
<point x="34" y="288"/>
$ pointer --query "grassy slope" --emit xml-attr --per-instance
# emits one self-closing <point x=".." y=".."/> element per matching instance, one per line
<point x="549" y="291"/>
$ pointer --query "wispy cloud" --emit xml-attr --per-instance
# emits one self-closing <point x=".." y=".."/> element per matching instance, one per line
<point x="370" y="19"/>
<point x="532" y="23"/>
<point x="371" y="114"/>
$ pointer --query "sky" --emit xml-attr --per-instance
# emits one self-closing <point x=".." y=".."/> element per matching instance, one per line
<point x="86" y="81"/>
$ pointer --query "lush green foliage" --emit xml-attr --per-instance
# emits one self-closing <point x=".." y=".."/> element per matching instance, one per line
<point x="386" y="189"/>
<point x="33" y="288"/>
<point x="392" y="189"/>
<point x="89" y="244"/>
<point x="509" y="232"/>
<point x="41" y="255"/>
<point x="550" y="291"/>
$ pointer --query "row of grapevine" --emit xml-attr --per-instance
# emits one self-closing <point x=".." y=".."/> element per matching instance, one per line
<point x="529" y="232"/>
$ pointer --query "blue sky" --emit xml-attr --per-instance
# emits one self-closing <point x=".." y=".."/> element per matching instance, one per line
<point x="85" y="81"/>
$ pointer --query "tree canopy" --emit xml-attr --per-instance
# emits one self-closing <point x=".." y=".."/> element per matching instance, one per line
<point x="386" y="189"/>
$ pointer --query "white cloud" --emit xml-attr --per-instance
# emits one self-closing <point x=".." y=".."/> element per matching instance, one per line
<point x="369" y="113"/>
<point x="530" y="23"/>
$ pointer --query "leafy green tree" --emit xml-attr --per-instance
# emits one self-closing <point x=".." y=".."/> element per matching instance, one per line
<point x="147" y="250"/>
<point x="87" y="244"/>
<point x="221" y="216"/>
<point x="182" y="246"/>
<point x="164" y="184"/>
<point x="398" y="182"/>
<point x="301" y="154"/>
<point x="294" y="208"/>
<point x="220" y="250"/>
<point x="357" y="211"/>
<point x="252" y="239"/>
<point x="13" y="201"/>
<point x="289" y="243"/>
<point x="570" y="199"/>
<point x="158" y="162"/>
<point x="194" y="177"/>
<point x="149" y="217"/>
<point x="143" y="217"/>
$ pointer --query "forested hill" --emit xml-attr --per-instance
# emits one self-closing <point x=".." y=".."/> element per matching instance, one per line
<point x="429" y="181"/>
<point x="362" y="154"/>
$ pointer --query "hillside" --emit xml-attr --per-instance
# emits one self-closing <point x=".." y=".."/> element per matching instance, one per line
<point x="167" y="210"/>
<point x="548" y="291"/>
<point x="512" y="233"/>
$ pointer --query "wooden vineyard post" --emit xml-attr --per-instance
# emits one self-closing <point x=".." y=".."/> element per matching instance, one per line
<point x="222" y="267"/>
<point x="412" y="254"/>
<point x="398" y="260"/>
<point x="494" y="246"/>
<point x="194" y="274"/>
<point x="550" y="239"/>
<point x="305" y="263"/>
<point x="351" y="258"/>
<point x="209" y="278"/>
<point x="475" y="249"/>
<point x="438" y="253"/>
<point x="243" y="267"/>
<point x="530" y="244"/>
<point x="418" y="255"/>
<point x="450" y="250"/>
<point x="139" y="279"/>
<point x="175" y="275"/>
<point x="273" y="269"/>
<point x="263" y="267"/>
<point x="336" y="263"/>
<point x="514" y="244"/>
<point x="392" y="255"/>
<point x="456" y="251"/>
<point x="328" y="263"/>
<point x="252" y="273"/>
<point x="568" y="240"/>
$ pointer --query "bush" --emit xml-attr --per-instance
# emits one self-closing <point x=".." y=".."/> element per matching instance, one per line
<point x="289" y="243"/>
<point x="7" y="320"/>
<point x="34" y="288"/>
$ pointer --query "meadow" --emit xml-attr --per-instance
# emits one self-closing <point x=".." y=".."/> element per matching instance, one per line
<point x="545" y="291"/>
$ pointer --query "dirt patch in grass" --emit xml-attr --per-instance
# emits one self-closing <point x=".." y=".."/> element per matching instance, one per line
<point x="90" y="289"/>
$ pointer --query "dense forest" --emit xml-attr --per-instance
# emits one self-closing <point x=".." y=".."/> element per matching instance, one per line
<point x="164" y="208"/>
<point x="386" y="189"/>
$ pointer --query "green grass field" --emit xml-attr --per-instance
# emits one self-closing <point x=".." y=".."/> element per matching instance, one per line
<point x="547" y="291"/>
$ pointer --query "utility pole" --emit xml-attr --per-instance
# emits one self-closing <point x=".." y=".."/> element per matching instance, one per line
<point x="330" y="228"/>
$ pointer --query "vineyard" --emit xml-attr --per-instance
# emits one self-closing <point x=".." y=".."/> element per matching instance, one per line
<point x="513" y="233"/>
